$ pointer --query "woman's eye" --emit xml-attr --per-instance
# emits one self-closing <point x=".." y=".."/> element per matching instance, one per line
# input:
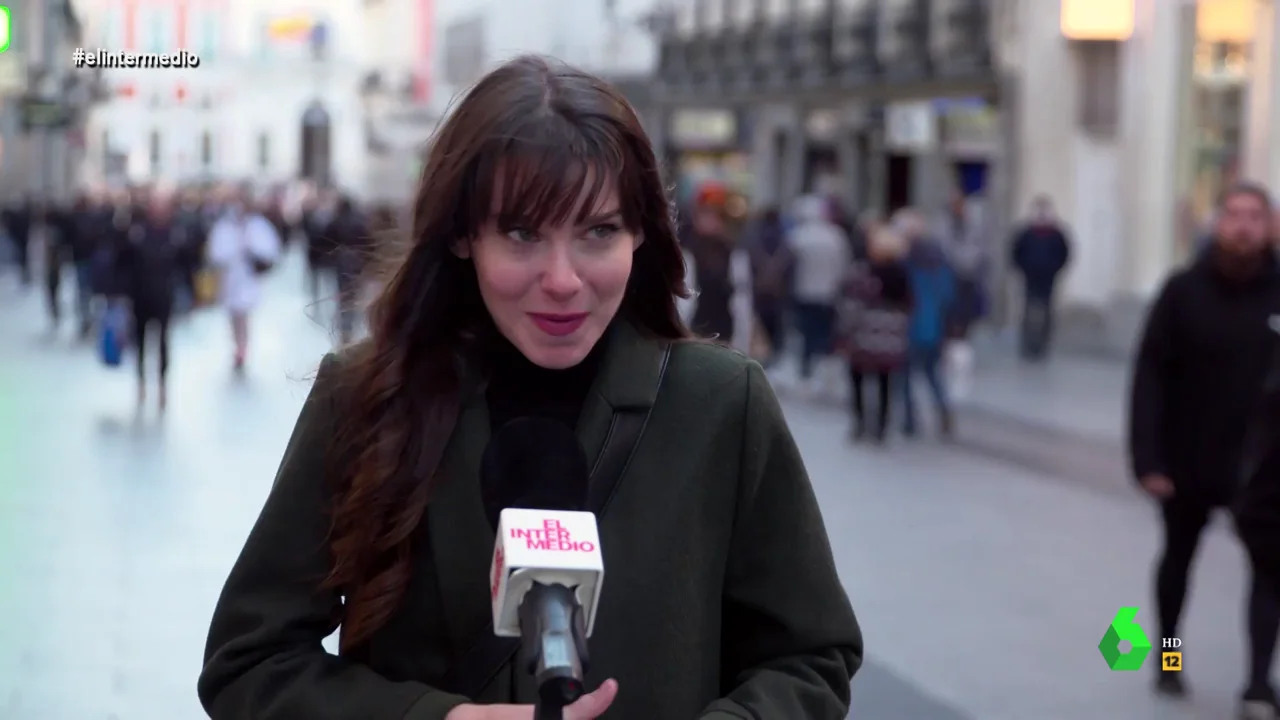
<point x="603" y="232"/>
<point x="521" y="235"/>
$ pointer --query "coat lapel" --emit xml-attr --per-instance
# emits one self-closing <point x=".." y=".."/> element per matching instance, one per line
<point x="460" y="535"/>
<point x="628" y="380"/>
<point x="461" y="539"/>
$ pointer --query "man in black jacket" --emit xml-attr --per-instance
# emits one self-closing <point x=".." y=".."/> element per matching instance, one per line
<point x="1041" y="252"/>
<point x="1202" y="364"/>
<point x="1257" y="509"/>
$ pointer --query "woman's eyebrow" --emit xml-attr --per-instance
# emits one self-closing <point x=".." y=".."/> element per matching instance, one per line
<point x="601" y="217"/>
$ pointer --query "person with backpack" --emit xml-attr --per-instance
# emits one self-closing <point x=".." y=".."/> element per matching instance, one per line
<point x="243" y="246"/>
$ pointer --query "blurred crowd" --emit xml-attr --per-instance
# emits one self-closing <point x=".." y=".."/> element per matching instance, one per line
<point x="149" y="255"/>
<point x="881" y="301"/>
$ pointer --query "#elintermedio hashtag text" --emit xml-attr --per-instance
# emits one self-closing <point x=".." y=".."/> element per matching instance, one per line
<point x="99" y="58"/>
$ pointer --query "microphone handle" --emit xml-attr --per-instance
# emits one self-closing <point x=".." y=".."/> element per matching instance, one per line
<point x="543" y="711"/>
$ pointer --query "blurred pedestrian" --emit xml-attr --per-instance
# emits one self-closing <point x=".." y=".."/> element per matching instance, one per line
<point x="1203" y="362"/>
<point x="190" y="223"/>
<point x="772" y="265"/>
<point x="822" y="260"/>
<point x="933" y="290"/>
<point x="88" y="225"/>
<point x="59" y="230"/>
<point x="150" y="263"/>
<point x="712" y="248"/>
<point x="1040" y="253"/>
<point x="964" y="236"/>
<point x="1257" y="513"/>
<point x="19" y="219"/>
<point x="351" y="236"/>
<point x="320" y="247"/>
<point x="872" y="332"/>
<point x="243" y="246"/>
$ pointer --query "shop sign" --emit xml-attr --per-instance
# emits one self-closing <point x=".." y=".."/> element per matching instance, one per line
<point x="694" y="129"/>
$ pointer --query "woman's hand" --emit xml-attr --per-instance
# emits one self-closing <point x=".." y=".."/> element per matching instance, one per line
<point x="588" y="707"/>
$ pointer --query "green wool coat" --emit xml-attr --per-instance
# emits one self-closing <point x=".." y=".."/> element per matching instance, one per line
<point x="720" y="601"/>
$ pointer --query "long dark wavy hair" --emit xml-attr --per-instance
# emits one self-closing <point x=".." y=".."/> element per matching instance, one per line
<point x="534" y="142"/>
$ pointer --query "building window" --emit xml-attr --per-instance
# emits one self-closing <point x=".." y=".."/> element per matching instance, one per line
<point x="158" y="30"/>
<point x="264" y="151"/>
<point x="266" y="40"/>
<point x="206" y="150"/>
<point x="208" y="44"/>
<point x="113" y="28"/>
<point x="1100" y="88"/>
<point x="155" y="151"/>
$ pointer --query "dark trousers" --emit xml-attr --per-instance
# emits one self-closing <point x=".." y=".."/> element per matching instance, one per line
<point x="769" y="311"/>
<point x="146" y="323"/>
<point x="815" y="322"/>
<point x="52" y="289"/>
<point x="318" y="268"/>
<point x="84" y="295"/>
<point x="1184" y="522"/>
<point x="928" y="363"/>
<point x="1037" y="325"/>
<point x="22" y="257"/>
<point x="883" y="381"/>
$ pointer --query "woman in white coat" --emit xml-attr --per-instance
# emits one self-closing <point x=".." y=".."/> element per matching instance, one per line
<point x="243" y="246"/>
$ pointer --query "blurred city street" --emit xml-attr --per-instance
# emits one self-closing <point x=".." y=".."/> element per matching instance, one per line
<point x="984" y="573"/>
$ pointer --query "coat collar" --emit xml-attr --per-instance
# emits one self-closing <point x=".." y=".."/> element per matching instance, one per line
<point x="460" y="536"/>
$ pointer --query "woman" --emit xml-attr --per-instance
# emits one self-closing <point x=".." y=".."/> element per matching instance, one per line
<point x="933" y="289"/>
<point x="874" y="318"/>
<point x="243" y="246"/>
<point x="540" y="280"/>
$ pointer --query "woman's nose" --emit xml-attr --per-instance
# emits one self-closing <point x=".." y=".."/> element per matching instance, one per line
<point x="560" y="277"/>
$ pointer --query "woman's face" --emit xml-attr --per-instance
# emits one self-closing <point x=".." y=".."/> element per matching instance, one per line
<point x="552" y="291"/>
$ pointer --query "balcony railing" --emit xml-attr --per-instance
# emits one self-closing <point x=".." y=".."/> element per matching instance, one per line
<point x="960" y="36"/>
<point x="903" y="37"/>
<point x="848" y="43"/>
<point x="853" y="43"/>
<point x="811" y="52"/>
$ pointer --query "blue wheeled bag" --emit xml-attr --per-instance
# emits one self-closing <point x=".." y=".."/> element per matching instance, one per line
<point x="115" y="326"/>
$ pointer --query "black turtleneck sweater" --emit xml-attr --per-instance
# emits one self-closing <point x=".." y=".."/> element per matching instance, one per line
<point x="517" y="388"/>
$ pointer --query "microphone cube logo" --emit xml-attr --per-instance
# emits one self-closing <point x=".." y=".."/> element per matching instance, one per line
<point x="552" y="535"/>
<point x="6" y="27"/>
<point x="1123" y="628"/>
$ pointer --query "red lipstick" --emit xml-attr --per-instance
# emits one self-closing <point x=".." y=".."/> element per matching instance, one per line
<point x="558" y="324"/>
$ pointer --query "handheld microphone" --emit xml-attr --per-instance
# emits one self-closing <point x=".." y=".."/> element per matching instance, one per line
<point x="547" y="569"/>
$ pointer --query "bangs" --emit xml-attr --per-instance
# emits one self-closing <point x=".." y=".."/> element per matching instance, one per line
<point x="548" y="171"/>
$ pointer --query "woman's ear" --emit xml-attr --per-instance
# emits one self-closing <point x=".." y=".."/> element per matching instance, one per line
<point x="637" y="241"/>
<point x="461" y="248"/>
